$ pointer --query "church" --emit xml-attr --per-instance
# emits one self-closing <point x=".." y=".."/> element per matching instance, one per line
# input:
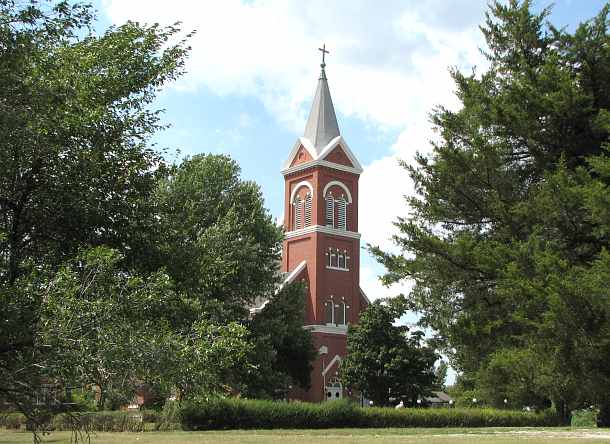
<point x="322" y="242"/>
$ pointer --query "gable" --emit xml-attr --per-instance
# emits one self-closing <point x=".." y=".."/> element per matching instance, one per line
<point x="337" y="155"/>
<point x="301" y="156"/>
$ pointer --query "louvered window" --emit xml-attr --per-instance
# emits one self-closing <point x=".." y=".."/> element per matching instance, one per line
<point x="342" y="214"/>
<point x="297" y="213"/>
<point x="307" y="211"/>
<point x="330" y="211"/>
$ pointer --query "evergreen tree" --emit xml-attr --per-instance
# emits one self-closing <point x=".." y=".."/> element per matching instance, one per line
<point x="509" y="234"/>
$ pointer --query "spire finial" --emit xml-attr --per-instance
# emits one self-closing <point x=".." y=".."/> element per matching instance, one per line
<point x="323" y="65"/>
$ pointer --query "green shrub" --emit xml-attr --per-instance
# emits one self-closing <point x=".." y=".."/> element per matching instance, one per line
<point x="151" y="416"/>
<point x="100" y="421"/>
<point x="13" y="421"/>
<point x="584" y="418"/>
<point x="169" y="417"/>
<point x="246" y="414"/>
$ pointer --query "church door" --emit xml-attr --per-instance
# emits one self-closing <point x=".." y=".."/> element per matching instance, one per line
<point x="334" y="390"/>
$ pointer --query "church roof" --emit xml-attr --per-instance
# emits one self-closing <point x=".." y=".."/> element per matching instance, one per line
<point x="322" y="124"/>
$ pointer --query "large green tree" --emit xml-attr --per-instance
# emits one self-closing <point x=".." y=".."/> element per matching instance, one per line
<point x="75" y="120"/>
<point x="508" y="237"/>
<point x="76" y="172"/>
<point x="283" y="350"/>
<point x="385" y="360"/>
<point x="217" y="241"/>
<point x="222" y="248"/>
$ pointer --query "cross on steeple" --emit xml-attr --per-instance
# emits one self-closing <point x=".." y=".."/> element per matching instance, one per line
<point x="324" y="52"/>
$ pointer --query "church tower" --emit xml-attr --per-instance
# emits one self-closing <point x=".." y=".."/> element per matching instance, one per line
<point x="322" y="243"/>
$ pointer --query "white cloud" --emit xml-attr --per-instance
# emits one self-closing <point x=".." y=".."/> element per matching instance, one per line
<point x="388" y="66"/>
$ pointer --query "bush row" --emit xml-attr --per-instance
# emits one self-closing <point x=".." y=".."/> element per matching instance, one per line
<point x="248" y="414"/>
<point x="108" y="421"/>
<point x="13" y="421"/>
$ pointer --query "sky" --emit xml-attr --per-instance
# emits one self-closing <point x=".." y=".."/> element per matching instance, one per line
<point x="253" y="70"/>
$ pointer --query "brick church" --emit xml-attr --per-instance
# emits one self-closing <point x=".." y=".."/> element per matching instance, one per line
<point x="322" y="243"/>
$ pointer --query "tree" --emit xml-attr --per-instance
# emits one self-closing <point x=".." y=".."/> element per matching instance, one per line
<point x="75" y="121"/>
<point x="217" y="241"/>
<point x="385" y="360"/>
<point x="75" y="169"/>
<point x="103" y="325"/>
<point x="222" y="249"/>
<point x="509" y="234"/>
<point x="283" y="350"/>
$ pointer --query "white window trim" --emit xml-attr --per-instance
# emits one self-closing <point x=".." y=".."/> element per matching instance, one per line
<point x="340" y="185"/>
<point x="336" y="268"/>
<point x="296" y="188"/>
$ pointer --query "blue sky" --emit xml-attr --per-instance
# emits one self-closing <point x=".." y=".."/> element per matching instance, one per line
<point x="254" y="67"/>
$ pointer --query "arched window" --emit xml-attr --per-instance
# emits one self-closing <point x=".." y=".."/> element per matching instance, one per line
<point x="297" y="213"/>
<point x="330" y="211"/>
<point x="307" y="205"/>
<point x="341" y="260"/>
<point x="337" y="259"/>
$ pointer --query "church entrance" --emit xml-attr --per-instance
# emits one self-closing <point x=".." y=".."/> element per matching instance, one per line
<point x="334" y="390"/>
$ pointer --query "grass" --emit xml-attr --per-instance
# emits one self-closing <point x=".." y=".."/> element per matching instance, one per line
<point x="341" y="436"/>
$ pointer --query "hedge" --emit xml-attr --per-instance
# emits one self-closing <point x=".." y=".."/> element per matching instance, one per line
<point x="247" y="414"/>
<point x="13" y="421"/>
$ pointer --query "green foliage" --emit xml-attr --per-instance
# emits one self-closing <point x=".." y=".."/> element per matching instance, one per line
<point x="75" y="173"/>
<point x="100" y="421"/>
<point x="385" y="360"/>
<point x="508" y="237"/>
<point x="75" y="122"/>
<point x="169" y="419"/>
<point x="82" y="400"/>
<point x="217" y="241"/>
<point x="584" y="418"/>
<point x="13" y="421"/>
<point x="283" y="351"/>
<point x="512" y="375"/>
<point x="222" y="413"/>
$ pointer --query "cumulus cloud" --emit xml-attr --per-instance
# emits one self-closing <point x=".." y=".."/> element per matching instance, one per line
<point x="388" y="67"/>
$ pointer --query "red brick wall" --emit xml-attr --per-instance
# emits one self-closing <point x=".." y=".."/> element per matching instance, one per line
<point x="337" y="155"/>
<point x="323" y="282"/>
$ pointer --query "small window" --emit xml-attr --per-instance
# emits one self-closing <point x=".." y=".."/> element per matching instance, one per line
<point x="333" y="259"/>
<point x="341" y="261"/>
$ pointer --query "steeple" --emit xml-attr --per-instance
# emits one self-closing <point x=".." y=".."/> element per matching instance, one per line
<point x="322" y="124"/>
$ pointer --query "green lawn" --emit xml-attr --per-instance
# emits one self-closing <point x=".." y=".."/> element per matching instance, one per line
<point x="385" y="436"/>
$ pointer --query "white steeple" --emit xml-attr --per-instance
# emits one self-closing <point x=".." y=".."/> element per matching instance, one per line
<point x="322" y="124"/>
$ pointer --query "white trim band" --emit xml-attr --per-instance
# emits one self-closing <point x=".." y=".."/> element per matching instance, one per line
<point x="324" y="163"/>
<point x="321" y="229"/>
<point x="330" y="329"/>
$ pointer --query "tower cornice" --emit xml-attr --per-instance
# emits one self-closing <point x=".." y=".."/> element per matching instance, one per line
<point x="322" y="229"/>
